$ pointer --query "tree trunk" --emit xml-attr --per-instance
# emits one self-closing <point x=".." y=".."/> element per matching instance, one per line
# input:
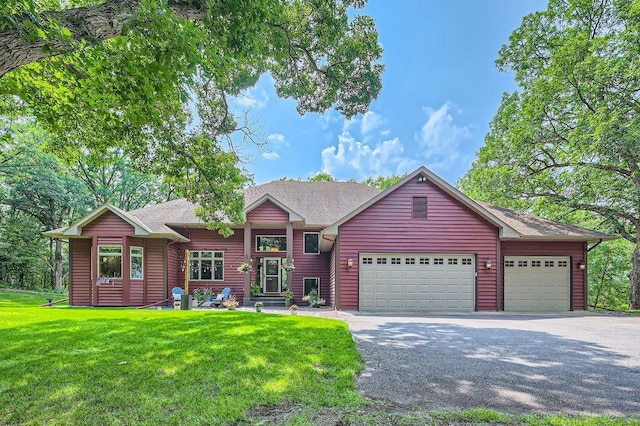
<point x="92" y="24"/>
<point x="59" y="273"/>
<point x="634" y="276"/>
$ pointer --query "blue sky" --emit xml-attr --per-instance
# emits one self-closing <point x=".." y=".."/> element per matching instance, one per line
<point x="440" y="91"/>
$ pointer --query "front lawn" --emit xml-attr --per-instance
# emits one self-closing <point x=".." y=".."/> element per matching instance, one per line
<point x="127" y="366"/>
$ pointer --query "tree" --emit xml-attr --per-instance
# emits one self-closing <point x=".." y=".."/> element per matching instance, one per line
<point x="322" y="177"/>
<point x="383" y="182"/>
<point x="122" y="75"/>
<point x="569" y="136"/>
<point x="39" y="195"/>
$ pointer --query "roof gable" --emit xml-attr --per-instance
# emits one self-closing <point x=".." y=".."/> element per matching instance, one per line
<point x="266" y="198"/>
<point x="506" y="231"/>
<point x="75" y="229"/>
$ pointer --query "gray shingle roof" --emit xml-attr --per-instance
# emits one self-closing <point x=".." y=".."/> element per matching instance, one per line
<point x="535" y="227"/>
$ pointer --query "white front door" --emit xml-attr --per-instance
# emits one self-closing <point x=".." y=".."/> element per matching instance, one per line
<point x="272" y="275"/>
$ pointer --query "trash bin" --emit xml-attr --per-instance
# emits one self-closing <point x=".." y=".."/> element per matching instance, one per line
<point x="186" y="302"/>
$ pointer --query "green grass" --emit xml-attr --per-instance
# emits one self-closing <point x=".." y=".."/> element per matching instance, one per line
<point x="126" y="366"/>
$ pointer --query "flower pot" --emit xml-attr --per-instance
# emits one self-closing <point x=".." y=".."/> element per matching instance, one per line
<point x="258" y="308"/>
<point x="294" y="312"/>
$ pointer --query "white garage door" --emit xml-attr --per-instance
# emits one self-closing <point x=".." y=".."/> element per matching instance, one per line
<point x="417" y="282"/>
<point x="537" y="283"/>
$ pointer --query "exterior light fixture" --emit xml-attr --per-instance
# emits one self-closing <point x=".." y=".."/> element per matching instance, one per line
<point x="581" y="264"/>
<point x="350" y="262"/>
<point x="488" y="263"/>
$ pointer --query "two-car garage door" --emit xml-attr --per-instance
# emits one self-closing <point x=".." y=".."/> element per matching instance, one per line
<point x="417" y="282"/>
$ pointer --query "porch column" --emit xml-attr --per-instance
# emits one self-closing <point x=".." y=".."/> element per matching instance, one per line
<point x="289" y="254"/>
<point x="247" y="259"/>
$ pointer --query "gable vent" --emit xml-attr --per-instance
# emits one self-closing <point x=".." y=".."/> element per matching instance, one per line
<point x="419" y="207"/>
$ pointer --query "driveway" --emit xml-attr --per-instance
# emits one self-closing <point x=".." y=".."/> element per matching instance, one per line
<point x="578" y="363"/>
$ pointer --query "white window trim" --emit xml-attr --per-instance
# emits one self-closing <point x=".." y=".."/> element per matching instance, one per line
<point x="131" y="256"/>
<point x="100" y="254"/>
<point x="304" y="239"/>
<point x="213" y="264"/>
<point x="311" y="278"/>
<point x="273" y="236"/>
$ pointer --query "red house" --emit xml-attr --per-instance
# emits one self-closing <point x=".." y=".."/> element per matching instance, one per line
<point x="421" y="245"/>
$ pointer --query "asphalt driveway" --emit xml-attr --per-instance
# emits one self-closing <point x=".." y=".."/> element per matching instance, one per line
<point x="578" y="363"/>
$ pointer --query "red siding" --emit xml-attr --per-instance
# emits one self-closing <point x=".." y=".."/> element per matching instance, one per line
<point x="203" y="239"/>
<point x="309" y="266"/>
<point x="80" y="280"/>
<point x="268" y="212"/>
<point x="108" y="224"/>
<point x="110" y="294"/>
<point x="154" y="271"/>
<point x="387" y="226"/>
<point x="577" y="251"/>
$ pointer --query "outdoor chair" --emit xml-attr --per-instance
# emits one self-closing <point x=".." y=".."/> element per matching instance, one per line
<point x="221" y="297"/>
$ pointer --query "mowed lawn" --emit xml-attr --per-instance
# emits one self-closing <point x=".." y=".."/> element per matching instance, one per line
<point x="124" y="366"/>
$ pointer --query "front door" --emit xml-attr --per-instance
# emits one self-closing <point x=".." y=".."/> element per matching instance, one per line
<point x="272" y="277"/>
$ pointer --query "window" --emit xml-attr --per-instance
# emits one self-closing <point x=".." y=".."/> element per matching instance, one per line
<point x="535" y="263"/>
<point x="424" y="260"/>
<point x="466" y="261"/>
<point x="309" y="284"/>
<point x="438" y="261"/>
<point x="271" y="243"/>
<point x="410" y="261"/>
<point x="311" y="243"/>
<point x="395" y="261"/>
<point x="419" y="207"/>
<point x="110" y="261"/>
<point x="562" y="264"/>
<point x="509" y="263"/>
<point x="381" y="260"/>
<point x="548" y="263"/>
<point x="136" y="261"/>
<point x="206" y="265"/>
<point x="452" y="261"/>
<point x="367" y="261"/>
<point x="522" y="263"/>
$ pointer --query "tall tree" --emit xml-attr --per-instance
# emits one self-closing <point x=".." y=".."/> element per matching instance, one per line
<point x="569" y="136"/>
<point x="121" y="74"/>
<point x="383" y="182"/>
<point x="39" y="192"/>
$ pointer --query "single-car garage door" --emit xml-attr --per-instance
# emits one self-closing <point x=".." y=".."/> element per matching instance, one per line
<point x="417" y="282"/>
<point x="537" y="283"/>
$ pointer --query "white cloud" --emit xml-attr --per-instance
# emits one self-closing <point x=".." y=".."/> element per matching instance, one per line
<point x="271" y="155"/>
<point x="370" y="122"/>
<point x="255" y="97"/>
<point x="351" y="157"/>
<point x="440" y="137"/>
<point x="328" y="118"/>
<point x="277" y="139"/>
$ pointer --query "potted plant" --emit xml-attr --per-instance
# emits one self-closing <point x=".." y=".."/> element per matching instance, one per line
<point x="293" y="309"/>
<point x="288" y="297"/>
<point x="202" y="295"/>
<point x="231" y="303"/>
<point x="256" y="290"/>
<point x="315" y="301"/>
<point x="258" y="306"/>
<point x="245" y="267"/>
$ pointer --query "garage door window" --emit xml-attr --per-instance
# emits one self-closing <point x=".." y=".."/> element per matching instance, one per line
<point x="522" y="263"/>
<point x="535" y="264"/>
<point x="381" y="261"/>
<point x="410" y="261"/>
<point x="438" y="261"/>
<point x="509" y="263"/>
<point x="452" y="261"/>
<point x="548" y="263"/>
<point x="367" y="261"/>
<point x="562" y="264"/>
<point x="424" y="260"/>
<point x="395" y="261"/>
<point x="466" y="261"/>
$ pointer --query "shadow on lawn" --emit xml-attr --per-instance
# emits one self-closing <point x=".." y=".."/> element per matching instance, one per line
<point x="446" y="366"/>
<point x="168" y="367"/>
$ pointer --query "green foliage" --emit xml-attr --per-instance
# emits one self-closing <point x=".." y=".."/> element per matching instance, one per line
<point x="131" y="85"/>
<point x="568" y="139"/>
<point x="256" y="290"/>
<point x="322" y="177"/>
<point x="383" y="182"/>
<point x="609" y="267"/>
<point x="111" y="366"/>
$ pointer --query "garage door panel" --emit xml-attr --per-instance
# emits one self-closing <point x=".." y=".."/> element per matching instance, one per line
<point x="417" y="282"/>
<point x="537" y="283"/>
